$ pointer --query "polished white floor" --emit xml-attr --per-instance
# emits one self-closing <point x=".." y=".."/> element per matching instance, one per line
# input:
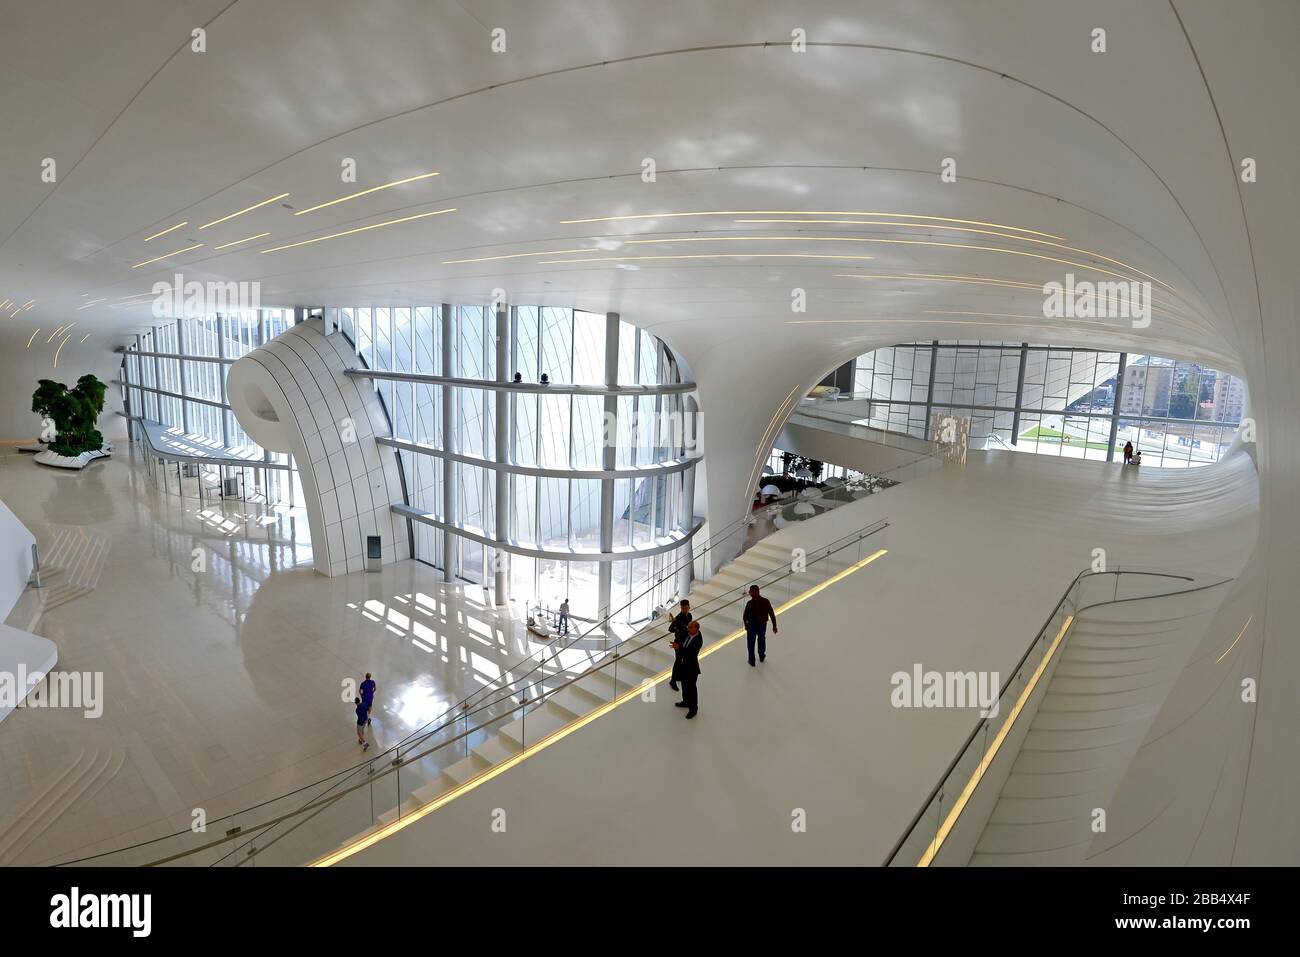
<point x="977" y="559"/>
<point x="223" y="685"/>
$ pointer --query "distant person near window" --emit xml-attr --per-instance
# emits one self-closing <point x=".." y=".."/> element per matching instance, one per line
<point x="1128" y="452"/>
<point x="562" y="624"/>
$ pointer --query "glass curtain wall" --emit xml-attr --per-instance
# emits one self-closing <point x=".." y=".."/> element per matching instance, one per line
<point x="175" y="374"/>
<point x="554" y="513"/>
<point x="1056" y="401"/>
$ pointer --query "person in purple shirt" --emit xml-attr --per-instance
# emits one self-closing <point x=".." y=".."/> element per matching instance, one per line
<point x="368" y="695"/>
<point x="363" y="718"/>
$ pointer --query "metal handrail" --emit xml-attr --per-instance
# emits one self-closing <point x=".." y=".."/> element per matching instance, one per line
<point x="319" y="804"/>
<point x="531" y="703"/>
<point x="938" y="788"/>
<point x="455" y="712"/>
<point x="461" y="711"/>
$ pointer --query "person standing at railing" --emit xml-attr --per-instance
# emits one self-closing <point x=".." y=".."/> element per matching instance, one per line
<point x="562" y="623"/>
<point x="757" y="611"/>
<point x="688" y="667"/>
<point x="678" y="632"/>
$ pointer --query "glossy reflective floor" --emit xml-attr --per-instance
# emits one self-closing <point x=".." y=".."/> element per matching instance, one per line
<point x="224" y="657"/>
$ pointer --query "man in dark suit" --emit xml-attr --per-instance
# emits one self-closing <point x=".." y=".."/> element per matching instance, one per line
<point x="678" y="632"/>
<point x="688" y="667"/>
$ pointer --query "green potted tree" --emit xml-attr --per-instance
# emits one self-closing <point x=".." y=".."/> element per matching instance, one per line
<point x="74" y="413"/>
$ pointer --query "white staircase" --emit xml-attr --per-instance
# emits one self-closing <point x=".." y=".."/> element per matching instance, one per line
<point x="599" y="687"/>
<point x="1115" y="671"/>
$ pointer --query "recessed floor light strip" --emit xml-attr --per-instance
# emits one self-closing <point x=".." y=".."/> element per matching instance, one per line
<point x="169" y="229"/>
<point x="35" y="333"/>
<point x="247" y="209"/>
<point x="148" y="262"/>
<point x="360" y="229"/>
<point x="804" y="212"/>
<point x="365" y="192"/>
<point x="246" y="239"/>
<point x="88" y="305"/>
<point x="992" y="751"/>
<point x="59" y="330"/>
<point x="556" y="736"/>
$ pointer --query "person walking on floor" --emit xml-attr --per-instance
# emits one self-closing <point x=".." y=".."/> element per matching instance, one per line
<point x="688" y="667"/>
<point x="368" y="695"/>
<point x="563" y="623"/>
<point x="757" y="611"/>
<point x="1128" y="452"/>
<point x="678" y="632"/>
<point x="363" y="718"/>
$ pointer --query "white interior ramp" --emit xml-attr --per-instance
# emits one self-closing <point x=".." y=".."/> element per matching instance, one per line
<point x="1117" y="668"/>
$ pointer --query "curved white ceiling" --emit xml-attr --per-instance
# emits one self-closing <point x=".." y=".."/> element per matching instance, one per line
<point x="1129" y="156"/>
<point x="1118" y="154"/>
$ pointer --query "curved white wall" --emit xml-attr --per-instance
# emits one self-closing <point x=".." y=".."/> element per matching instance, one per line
<point x="291" y="395"/>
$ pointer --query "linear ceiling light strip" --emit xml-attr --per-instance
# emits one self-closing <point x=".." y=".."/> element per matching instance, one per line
<point x="960" y="229"/>
<point x="365" y="192"/>
<point x="246" y="209"/>
<point x="149" y="262"/>
<point x="169" y="229"/>
<point x="804" y="212"/>
<point x="360" y="229"/>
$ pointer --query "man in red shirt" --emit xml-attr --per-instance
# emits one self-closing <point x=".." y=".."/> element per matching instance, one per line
<point x="757" y="611"/>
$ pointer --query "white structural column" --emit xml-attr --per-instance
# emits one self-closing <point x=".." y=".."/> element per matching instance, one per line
<point x="291" y="395"/>
<point x="690" y="412"/>
<point x="448" y="443"/>
<point x="501" y="401"/>
<point x="608" y="461"/>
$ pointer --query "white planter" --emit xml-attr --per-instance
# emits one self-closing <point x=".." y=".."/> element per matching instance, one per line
<point x="72" y="461"/>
